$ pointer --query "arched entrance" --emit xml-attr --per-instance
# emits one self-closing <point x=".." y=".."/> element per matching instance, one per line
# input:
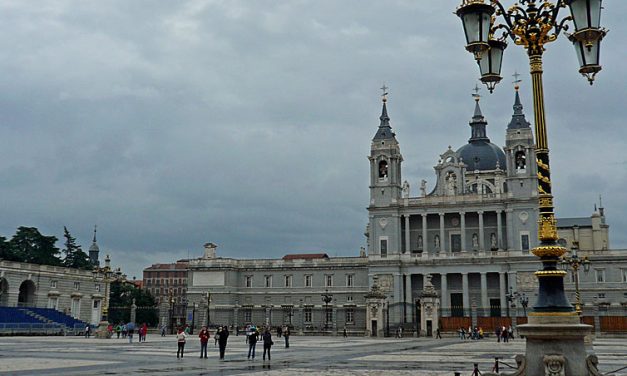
<point x="26" y="298"/>
<point x="4" y="292"/>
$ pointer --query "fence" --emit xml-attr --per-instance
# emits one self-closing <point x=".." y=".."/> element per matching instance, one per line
<point x="38" y="329"/>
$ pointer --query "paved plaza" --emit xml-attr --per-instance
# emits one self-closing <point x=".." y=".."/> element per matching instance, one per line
<point x="306" y="356"/>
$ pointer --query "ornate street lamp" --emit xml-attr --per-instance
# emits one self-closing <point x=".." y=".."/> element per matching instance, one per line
<point x="107" y="275"/>
<point x="574" y="262"/>
<point x="208" y="303"/>
<point x="533" y="24"/>
<point x="326" y="298"/>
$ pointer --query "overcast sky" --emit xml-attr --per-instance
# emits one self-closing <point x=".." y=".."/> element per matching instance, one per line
<point x="247" y="123"/>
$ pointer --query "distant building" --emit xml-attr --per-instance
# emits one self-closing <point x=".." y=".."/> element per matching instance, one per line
<point x="168" y="284"/>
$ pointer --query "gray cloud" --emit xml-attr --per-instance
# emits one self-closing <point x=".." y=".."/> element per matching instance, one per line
<point x="247" y="123"/>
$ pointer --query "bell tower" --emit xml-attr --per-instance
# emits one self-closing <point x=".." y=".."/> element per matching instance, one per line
<point x="385" y="188"/>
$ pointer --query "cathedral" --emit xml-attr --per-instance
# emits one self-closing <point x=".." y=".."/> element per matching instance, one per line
<point x="457" y="255"/>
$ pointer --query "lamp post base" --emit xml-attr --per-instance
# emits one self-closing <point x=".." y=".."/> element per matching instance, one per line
<point x="556" y="343"/>
<point x="103" y="330"/>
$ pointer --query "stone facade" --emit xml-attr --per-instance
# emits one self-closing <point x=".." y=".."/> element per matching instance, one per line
<point x="72" y="291"/>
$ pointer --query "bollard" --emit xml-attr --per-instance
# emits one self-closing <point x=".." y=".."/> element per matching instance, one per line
<point x="496" y="365"/>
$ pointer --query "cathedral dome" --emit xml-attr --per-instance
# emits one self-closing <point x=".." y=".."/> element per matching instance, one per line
<point x="482" y="155"/>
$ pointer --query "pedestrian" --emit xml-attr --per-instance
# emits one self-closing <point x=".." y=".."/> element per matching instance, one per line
<point x="118" y="330"/>
<point x="180" y="339"/>
<point x="224" y="335"/>
<point x="163" y="330"/>
<point x="497" y="332"/>
<point x="204" y="339"/>
<point x="505" y="334"/>
<point x="286" y="335"/>
<point x="510" y="332"/>
<point x="437" y="334"/>
<point x="217" y="336"/>
<point x="267" y="343"/>
<point x="124" y="331"/>
<point x="144" y="331"/>
<point x="130" y="328"/>
<point x="253" y="337"/>
<point x="344" y="333"/>
<point x="87" y="331"/>
<point x="278" y="331"/>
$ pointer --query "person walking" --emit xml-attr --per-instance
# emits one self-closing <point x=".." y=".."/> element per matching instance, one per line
<point x="163" y="330"/>
<point x="253" y="337"/>
<point x="224" y="335"/>
<point x="87" y="331"/>
<point x="130" y="328"/>
<point x="267" y="343"/>
<point x="286" y="335"/>
<point x="217" y="336"/>
<point x="204" y="339"/>
<point x="180" y="339"/>
<point x="344" y="333"/>
<point x="437" y="334"/>
<point x="118" y="330"/>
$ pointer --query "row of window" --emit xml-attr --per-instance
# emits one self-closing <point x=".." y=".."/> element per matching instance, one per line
<point x="77" y="285"/>
<point x="166" y="281"/>
<point x="308" y="315"/>
<point x="599" y="276"/>
<point x="307" y="280"/>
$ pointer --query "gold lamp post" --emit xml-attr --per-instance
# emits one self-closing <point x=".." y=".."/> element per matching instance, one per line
<point x="533" y="24"/>
<point x="553" y="323"/>
<point x="574" y="262"/>
<point x="107" y="275"/>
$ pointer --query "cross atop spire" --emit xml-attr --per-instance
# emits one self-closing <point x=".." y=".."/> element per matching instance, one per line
<point x="476" y="94"/>
<point x="95" y="228"/>
<point x="384" y="90"/>
<point x="516" y="80"/>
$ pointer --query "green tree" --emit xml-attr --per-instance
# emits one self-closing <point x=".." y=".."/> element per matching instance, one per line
<point x="6" y="251"/>
<point x="74" y="255"/>
<point x="121" y="299"/>
<point x="29" y="245"/>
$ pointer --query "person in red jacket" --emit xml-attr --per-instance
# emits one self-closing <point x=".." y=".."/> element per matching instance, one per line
<point x="204" y="338"/>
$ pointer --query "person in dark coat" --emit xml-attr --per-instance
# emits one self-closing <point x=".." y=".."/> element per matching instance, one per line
<point x="252" y="342"/>
<point x="267" y="343"/>
<point x="224" y="335"/>
<point x="286" y="335"/>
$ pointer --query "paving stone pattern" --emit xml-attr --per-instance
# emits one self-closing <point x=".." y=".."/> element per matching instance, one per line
<point x="306" y="356"/>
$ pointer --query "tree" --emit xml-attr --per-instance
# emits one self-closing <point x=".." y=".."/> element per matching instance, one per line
<point x="74" y="255"/>
<point x="121" y="299"/>
<point x="29" y="245"/>
<point x="6" y="252"/>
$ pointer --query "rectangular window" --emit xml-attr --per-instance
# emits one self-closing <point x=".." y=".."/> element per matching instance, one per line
<point x="268" y="281"/>
<point x="53" y="302"/>
<point x="308" y="279"/>
<point x="600" y="275"/>
<point x="288" y="281"/>
<point x="308" y="315"/>
<point x="97" y="287"/>
<point x="76" y="308"/>
<point x="601" y="295"/>
<point x="349" y="299"/>
<point x="350" y="316"/>
<point x="248" y="282"/>
<point x="53" y="284"/>
<point x="328" y="280"/>
<point x="248" y="315"/>
<point x="329" y="318"/>
<point x="524" y="242"/>
<point x="96" y="304"/>
<point x="350" y="280"/>
<point x="383" y="247"/>
<point x="77" y="286"/>
<point x="624" y="275"/>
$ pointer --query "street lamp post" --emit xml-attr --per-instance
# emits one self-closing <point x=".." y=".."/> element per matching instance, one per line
<point x="107" y="275"/>
<point x="326" y="298"/>
<point x="533" y="24"/>
<point x="171" y="300"/>
<point x="574" y="262"/>
<point x="208" y="303"/>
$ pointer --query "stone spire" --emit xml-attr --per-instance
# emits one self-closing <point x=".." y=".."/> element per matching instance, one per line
<point x="385" y="130"/>
<point x="94" y="250"/>
<point x="478" y="122"/>
<point x="518" y="117"/>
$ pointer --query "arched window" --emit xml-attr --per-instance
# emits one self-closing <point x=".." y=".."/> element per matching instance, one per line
<point x="521" y="160"/>
<point x="383" y="169"/>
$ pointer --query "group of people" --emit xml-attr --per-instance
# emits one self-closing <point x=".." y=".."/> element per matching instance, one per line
<point x="503" y="333"/>
<point x="253" y="336"/>
<point x="471" y="333"/>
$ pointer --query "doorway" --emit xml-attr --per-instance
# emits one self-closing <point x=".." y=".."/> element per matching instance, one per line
<point x="429" y="328"/>
<point x="374" y="328"/>
<point x="26" y="297"/>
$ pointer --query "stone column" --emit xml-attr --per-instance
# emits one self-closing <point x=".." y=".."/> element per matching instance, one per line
<point x="510" y="229"/>
<point x="444" y="300"/>
<point x="481" y="230"/>
<point x="466" y="294"/>
<point x="462" y="221"/>
<point x="407" y="235"/>
<point x="425" y="241"/>
<point x="442" y="241"/>
<point x="398" y="300"/>
<point x="499" y="230"/>
<point x="485" y="304"/>
<point x="408" y="299"/>
<point x="502" y="292"/>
